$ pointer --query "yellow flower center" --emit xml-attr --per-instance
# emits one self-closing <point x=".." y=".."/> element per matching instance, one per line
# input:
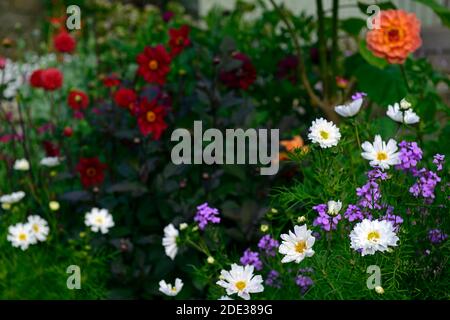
<point x="179" y="41"/>
<point x="174" y="289"/>
<point x="381" y="155"/>
<point x="77" y="98"/>
<point x="35" y="228"/>
<point x="151" y="116"/>
<point x="22" y="237"/>
<point x="325" y="135"/>
<point x="91" y="172"/>
<point x="99" y="220"/>
<point x="300" y="247"/>
<point x="240" y="285"/>
<point x="153" y="64"/>
<point x="373" y="236"/>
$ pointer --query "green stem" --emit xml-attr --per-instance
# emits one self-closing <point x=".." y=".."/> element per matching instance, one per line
<point x="334" y="46"/>
<point x="405" y="78"/>
<point x="322" y="48"/>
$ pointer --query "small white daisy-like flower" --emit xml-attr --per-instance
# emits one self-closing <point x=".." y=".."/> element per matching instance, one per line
<point x="381" y="154"/>
<point x="99" y="220"/>
<point x="169" y="241"/>
<point x="12" y="198"/>
<point x="324" y="132"/>
<point x="50" y="162"/>
<point x="334" y="207"/>
<point x="225" y="298"/>
<point x="38" y="227"/>
<point x="372" y="236"/>
<point x="407" y="117"/>
<point x="20" y="236"/>
<point x="297" y="245"/>
<point x="170" y="290"/>
<point x="22" y="165"/>
<point x="350" y="109"/>
<point x="241" y="280"/>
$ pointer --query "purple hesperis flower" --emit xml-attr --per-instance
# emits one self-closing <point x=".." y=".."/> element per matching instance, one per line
<point x="358" y="95"/>
<point x="369" y="195"/>
<point x="251" y="258"/>
<point x="410" y="155"/>
<point x="304" y="282"/>
<point x="268" y="245"/>
<point x="425" y="185"/>
<point x="272" y="279"/>
<point x="206" y="214"/>
<point x="390" y="216"/>
<point x="439" y="160"/>
<point x="353" y="213"/>
<point x="324" y="220"/>
<point x="436" y="236"/>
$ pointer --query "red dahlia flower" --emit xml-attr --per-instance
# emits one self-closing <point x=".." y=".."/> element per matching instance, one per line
<point x="154" y="64"/>
<point x="35" y="78"/>
<point x="64" y="42"/>
<point x="111" y="81"/>
<point x="151" y="118"/>
<point x="51" y="149"/>
<point x="125" y="98"/>
<point x="91" y="171"/>
<point x="241" y="77"/>
<point x="51" y="79"/>
<point x="179" y="39"/>
<point x="77" y="100"/>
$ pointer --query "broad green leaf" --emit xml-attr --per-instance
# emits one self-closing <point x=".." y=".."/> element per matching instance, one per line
<point x="353" y="26"/>
<point x="385" y="5"/>
<point x="370" y="57"/>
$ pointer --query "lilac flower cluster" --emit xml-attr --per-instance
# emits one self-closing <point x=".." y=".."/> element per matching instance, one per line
<point x="324" y="220"/>
<point x="304" y="282"/>
<point x="206" y="214"/>
<point x="354" y="213"/>
<point x="410" y="154"/>
<point x="358" y="95"/>
<point x="390" y="216"/>
<point x="251" y="258"/>
<point x="272" y="279"/>
<point x="436" y="236"/>
<point x="439" y="160"/>
<point x="425" y="185"/>
<point x="268" y="245"/>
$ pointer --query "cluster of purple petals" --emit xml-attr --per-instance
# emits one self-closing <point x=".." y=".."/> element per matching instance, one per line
<point x="425" y="184"/>
<point x="436" y="236"/>
<point x="354" y="213"/>
<point x="268" y="245"/>
<point x="358" y="95"/>
<point x="272" y="279"/>
<point x="410" y="154"/>
<point x="206" y="214"/>
<point x="390" y="216"/>
<point x="439" y="160"/>
<point x="324" y="220"/>
<point x="251" y="258"/>
<point x="304" y="282"/>
<point x="369" y="195"/>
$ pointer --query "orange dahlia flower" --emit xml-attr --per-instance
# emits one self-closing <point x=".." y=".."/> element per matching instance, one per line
<point x="397" y="36"/>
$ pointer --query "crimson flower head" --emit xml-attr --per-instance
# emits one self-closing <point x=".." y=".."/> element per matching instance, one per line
<point x="241" y="77"/>
<point x="287" y="68"/>
<point x="51" y="149"/>
<point x="64" y="42"/>
<point x="36" y="78"/>
<point x="77" y="100"/>
<point x="151" y="118"/>
<point x="179" y="39"/>
<point x="111" y="81"/>
<point x="154" y="64"/>
<point x="125" y="98"/>
<point x="51" y="79"/>
<point x="91" y="171"/>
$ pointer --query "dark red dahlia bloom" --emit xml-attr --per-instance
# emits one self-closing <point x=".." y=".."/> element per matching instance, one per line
<point x="51" y="79"/>
<point x="36" y="78"/>
<point x="179" y="39"/>
<point x="241" y="77"/>
<point x="111" y="81"/>
<point x="167" y="16"/>
<point x="51" y="149"/>
<point x="154" y="64"/>
<point x="77" y="100"/>
<point x="287" y="69"/>
<point x="125" y="98"/>
<point x="91" y="171"/>
<point x="151" y="118"/>
<point x="64" y="42"/>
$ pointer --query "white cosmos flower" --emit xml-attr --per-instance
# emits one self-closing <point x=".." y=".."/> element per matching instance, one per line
<point x="50" y="162"/>
<point x="381" y="154"/>
<point x="241" y="280"/>
<point x="21" y="165"/>
<point x="169" y="241"/>
<point x="371" y="236"/>
<point x="38" y="227"/>
<point x="350" y="109"/>
<point x="99" y="220"/>
<point x="407" y="117"/>
<point x="324" y="132"/>
<point x="12" y="198"/>
<point x="334" y="207"/>
<point x="297" y="245"/>
<point x="20" y="236"/>
<point x="170" y="290"/>
<point x="225" y="298"/>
